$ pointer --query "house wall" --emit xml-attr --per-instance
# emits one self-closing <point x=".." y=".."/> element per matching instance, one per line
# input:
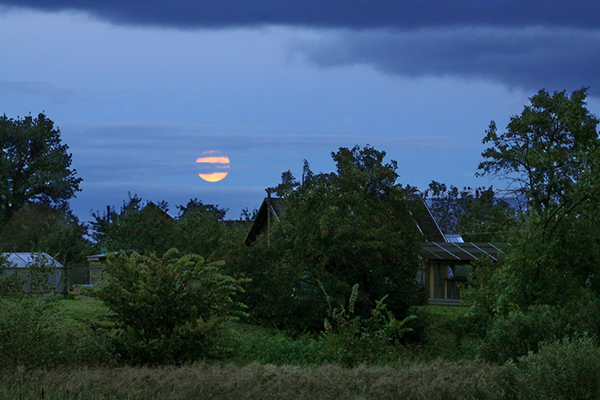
<point x="444" y="281"/>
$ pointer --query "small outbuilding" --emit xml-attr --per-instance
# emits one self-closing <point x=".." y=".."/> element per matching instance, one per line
<point x="41" y="267"/>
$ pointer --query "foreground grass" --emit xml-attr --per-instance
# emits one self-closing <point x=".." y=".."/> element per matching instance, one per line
<point x="260" y="381"/>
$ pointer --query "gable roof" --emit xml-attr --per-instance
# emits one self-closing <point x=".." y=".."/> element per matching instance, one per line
<point x="425" y="222"/>
<point x="276" y="206"/>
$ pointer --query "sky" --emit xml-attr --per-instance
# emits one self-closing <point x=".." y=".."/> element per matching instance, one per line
<point x="140" y="90"/>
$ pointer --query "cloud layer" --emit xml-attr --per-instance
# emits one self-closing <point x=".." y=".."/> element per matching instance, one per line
<point x="525" y="44"/>
<point x="352" y="14"/>
<point x="530" y="58"/>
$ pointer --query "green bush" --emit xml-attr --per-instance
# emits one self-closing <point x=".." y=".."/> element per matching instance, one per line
<point x="350" y="339"/>
<point x="169" y="310"/>
<point x="521" y="332"/>
<point x="32" y="335"/>
<point x="561" y="369"/>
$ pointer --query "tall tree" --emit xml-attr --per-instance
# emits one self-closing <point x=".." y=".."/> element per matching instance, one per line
<point x="548" y="283"/>
<point x="34" y="164"/>
<point x="544" y="149"/>
<point x="200" y="228"/>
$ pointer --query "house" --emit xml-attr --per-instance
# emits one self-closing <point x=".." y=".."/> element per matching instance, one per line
<point x="446" y="259"/>
<point x="38" y="269"/>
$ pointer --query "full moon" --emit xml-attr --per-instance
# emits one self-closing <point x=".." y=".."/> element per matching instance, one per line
<point x="214" y="166"/>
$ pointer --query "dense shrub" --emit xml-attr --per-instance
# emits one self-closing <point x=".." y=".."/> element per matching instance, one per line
<point x="33" y="335"/>
<point x="169" y="310"/>
<point x="351" y="339"/>
<point x="562" y="369"/>
<point x="521" y="332"/>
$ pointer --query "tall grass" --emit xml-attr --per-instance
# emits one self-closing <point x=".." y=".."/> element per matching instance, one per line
<point x="260" y="381"/>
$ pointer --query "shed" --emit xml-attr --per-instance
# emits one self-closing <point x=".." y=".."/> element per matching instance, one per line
<point x="49" y="268"/>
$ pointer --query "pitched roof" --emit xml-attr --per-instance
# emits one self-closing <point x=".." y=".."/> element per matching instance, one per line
<point x="421" y="214"/>
<point x="425" y="222"/>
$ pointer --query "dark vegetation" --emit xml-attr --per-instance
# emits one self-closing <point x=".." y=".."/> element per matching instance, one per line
<point x="325" y="305"/>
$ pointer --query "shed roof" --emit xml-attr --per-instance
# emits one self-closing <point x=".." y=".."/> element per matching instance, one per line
<point x="444" y="251"/>
<point x="24" y="260"/>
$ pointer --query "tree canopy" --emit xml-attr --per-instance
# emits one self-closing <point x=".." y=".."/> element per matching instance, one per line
<point x="549" y="281"/>
<point x="545" y="148"/>
<point x="352" y="226"/>
<point x="34" y="164"/>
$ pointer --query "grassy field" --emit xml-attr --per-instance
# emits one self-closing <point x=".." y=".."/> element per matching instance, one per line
<point x="267" y="364"/>
<point x="263" y="381"/>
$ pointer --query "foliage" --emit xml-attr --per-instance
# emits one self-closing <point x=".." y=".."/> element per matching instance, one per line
<point x="521" y="332"/>
<point x="29" y="333"/>
<point x="41" y="227"/>
<point x="561" y="369"/>
<point x="545" y="148"/>
<point x="257" y="344"/>
<point x="354" y="339"/>
<point x="40" y="276"/>
<point x="478" y="215"/>
<point x="141" y="226"/>
<point x="351" y="226"/>
<point x="199" y="229"/>
<point x="146" y="227"/>
<point x="172" y="309"/>
<point x="196" y="205"/>
<point x="548" y="284"/>
<point x="35" y="165"/>
<point x="32" y="336"/>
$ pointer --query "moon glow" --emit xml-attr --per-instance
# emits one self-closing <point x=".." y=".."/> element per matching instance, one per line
<point x="213" y="165"/>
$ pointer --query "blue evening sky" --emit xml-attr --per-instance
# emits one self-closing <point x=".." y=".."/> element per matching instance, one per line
<point x="141" y="89"/>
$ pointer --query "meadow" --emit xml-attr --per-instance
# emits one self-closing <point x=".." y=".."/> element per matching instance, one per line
<point x="264" y="363"/>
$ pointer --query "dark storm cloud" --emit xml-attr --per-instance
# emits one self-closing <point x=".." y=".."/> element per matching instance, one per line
<point x="531" y="58"/>
<point x="525" y="44"/>
<point x="354" y="14"/>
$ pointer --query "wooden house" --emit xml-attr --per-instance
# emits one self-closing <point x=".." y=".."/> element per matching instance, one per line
<point x="446" y="259"/>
